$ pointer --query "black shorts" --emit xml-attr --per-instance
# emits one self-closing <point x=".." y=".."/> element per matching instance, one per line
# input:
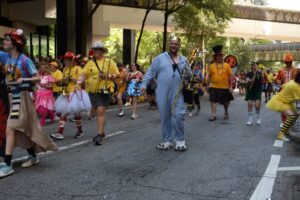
<point x="150" y="91"/>
<point x="221" y="96"/>
<point x="100" y="100"/>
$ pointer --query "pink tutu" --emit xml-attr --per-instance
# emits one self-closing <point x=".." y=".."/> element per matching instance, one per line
<point x="44" y="98"/>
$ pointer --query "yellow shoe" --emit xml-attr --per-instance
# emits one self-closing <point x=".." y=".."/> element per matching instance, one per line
<point x="282" y="137"/>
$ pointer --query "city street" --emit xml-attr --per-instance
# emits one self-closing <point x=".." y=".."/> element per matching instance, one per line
<point x="225" y="160"/>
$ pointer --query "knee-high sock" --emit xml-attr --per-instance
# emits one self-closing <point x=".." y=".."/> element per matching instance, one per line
<point x="290" y="120"/>
<point x="61" y="125"/>
<point x="78" y="123"/>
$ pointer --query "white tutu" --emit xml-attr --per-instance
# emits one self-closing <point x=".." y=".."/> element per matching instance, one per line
<point x="61" y="104"/>
<point x="77" y="102"/>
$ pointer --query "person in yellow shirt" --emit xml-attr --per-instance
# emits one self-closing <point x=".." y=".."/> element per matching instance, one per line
<point x="122" y="84"/>
<point x="268" y="87"/>
<point x="73" y="99"/>
<point x="285" y="102"/>
<point x="220" y="81"/>
<point x="57" y="75"/>
<point x="99" y="75"/>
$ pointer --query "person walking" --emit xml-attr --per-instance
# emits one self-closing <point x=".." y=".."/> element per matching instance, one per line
<point x="220" y="82"/>
<point x="253" y="93"/>
<point x="99" y="75"/>
<point x="168" y="69"/>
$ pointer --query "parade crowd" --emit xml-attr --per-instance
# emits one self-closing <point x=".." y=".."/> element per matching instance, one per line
<point x="72" y="86"/>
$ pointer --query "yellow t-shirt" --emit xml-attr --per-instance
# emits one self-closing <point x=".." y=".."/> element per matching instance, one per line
<point x="219" y="75"/>
<point x="57" y="75"/>
<point x="75" y="73"/>
<point x="270" y="77"/>
<point x="290" y="92"/>
<point x="91" y="72"/>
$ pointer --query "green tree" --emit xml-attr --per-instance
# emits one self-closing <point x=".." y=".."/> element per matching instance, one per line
<point x="114" y="44"/>
<point x="202" y="20"/>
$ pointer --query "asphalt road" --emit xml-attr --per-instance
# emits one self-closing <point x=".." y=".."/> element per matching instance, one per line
<point x="225" y="160"/>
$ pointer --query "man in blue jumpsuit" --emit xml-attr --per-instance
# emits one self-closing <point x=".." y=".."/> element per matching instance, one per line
<point x="167" y="69"/>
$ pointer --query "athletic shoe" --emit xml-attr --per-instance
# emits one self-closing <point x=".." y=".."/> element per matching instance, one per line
<point x="180" y="146"/>
<point x="258" y="121"/>
<point x="57" y="136"/>
<point x="73" y="119"/>
<point x="292" y="133"/>
<point x="79" y="134"/>
<point x="6" y="171"/>
<point x="249" y="122"/>
<point x="134" y="116"/>
<point x="121" y="113"/>
<point x="98" y="139"/>
<point x="165" y="146"/>
<point x="2" y="164"/>
<point x="31" y="160"/>
<point x="190" y="114"/>
<point x="282" y="137"/>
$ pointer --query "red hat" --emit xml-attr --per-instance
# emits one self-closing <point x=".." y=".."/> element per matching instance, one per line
<point x="17" y="35"/>
<point x="68" y="55"/>
<point x="91" y="53"/>
<point x="288" y="57"/>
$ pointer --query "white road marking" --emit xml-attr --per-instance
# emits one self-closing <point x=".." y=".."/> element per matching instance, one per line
<point x="265" y="187"/>
<point x="289" y="169"/>
<point x="68" y="146"/>
<point x="278" y="143"/>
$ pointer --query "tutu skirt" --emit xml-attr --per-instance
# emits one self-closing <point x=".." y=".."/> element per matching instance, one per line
<point x="134" y="88"/>
<point x="44" y="98"/>
<point x="78" y="101"/>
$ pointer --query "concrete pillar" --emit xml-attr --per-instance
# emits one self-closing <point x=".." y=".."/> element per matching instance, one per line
<point x="128" y="46"/>
<point x="83" y="37"/>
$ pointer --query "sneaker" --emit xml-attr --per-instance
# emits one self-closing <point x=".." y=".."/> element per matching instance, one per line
<point x="98" y="139"/>
<point x="165" y="146"/>
<point x="127" y="104"/>
<point x="79" y="134"/>
<point x="190" y="114"/>
<point x="73" y="119"/>
<point x="134" y="116"/>
<point x="31" y="160"/>
<point x="258" y="121"/>
<point x="249" y="122"/>
<point x="282" y="137"/>
<point x="121" y="113"/>
<point x="2" y="164"/>
<point x="6" y="170"/>
<point x="57" y="136"/>
<point x="180" y="146"/>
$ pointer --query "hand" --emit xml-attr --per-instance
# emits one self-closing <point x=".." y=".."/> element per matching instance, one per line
<point x="143" y="91"/>
<point x="20" y="80"/>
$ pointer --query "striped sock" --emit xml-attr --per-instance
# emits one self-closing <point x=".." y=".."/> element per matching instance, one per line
<point x="290" y="120"/>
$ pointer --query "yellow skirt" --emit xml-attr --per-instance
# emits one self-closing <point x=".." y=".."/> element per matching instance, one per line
<point x="278" y="106"/>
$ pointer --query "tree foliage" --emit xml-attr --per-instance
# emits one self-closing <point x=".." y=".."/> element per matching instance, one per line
<point x="203" y="20"/>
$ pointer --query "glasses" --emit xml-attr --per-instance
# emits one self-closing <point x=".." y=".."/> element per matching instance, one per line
<point x="7" y="39"/>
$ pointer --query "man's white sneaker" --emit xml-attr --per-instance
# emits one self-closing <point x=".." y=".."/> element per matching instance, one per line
<point x="249" y="122"/>
<point x="190" y="114"/>
<point x="165" y="146"/>
<point x="134" y="116"/>
<point x="180" y="146"/>
<point x="121" y="113"/>
<point x="258" y="121"/>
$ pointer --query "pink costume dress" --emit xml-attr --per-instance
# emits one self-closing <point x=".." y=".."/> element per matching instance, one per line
<point x="44" y="96"/>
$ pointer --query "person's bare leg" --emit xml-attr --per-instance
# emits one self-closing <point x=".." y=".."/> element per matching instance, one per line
<point x="101" y="119"/>
<point x="10" y="141"/>
<point x="213" y="109"/>
<point x="120" y="102"/>
<point x="226" y="105"/>
<point x="134" y="105"/>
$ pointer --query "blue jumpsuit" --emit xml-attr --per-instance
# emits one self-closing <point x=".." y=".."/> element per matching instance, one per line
<point x="172" y="126"/>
